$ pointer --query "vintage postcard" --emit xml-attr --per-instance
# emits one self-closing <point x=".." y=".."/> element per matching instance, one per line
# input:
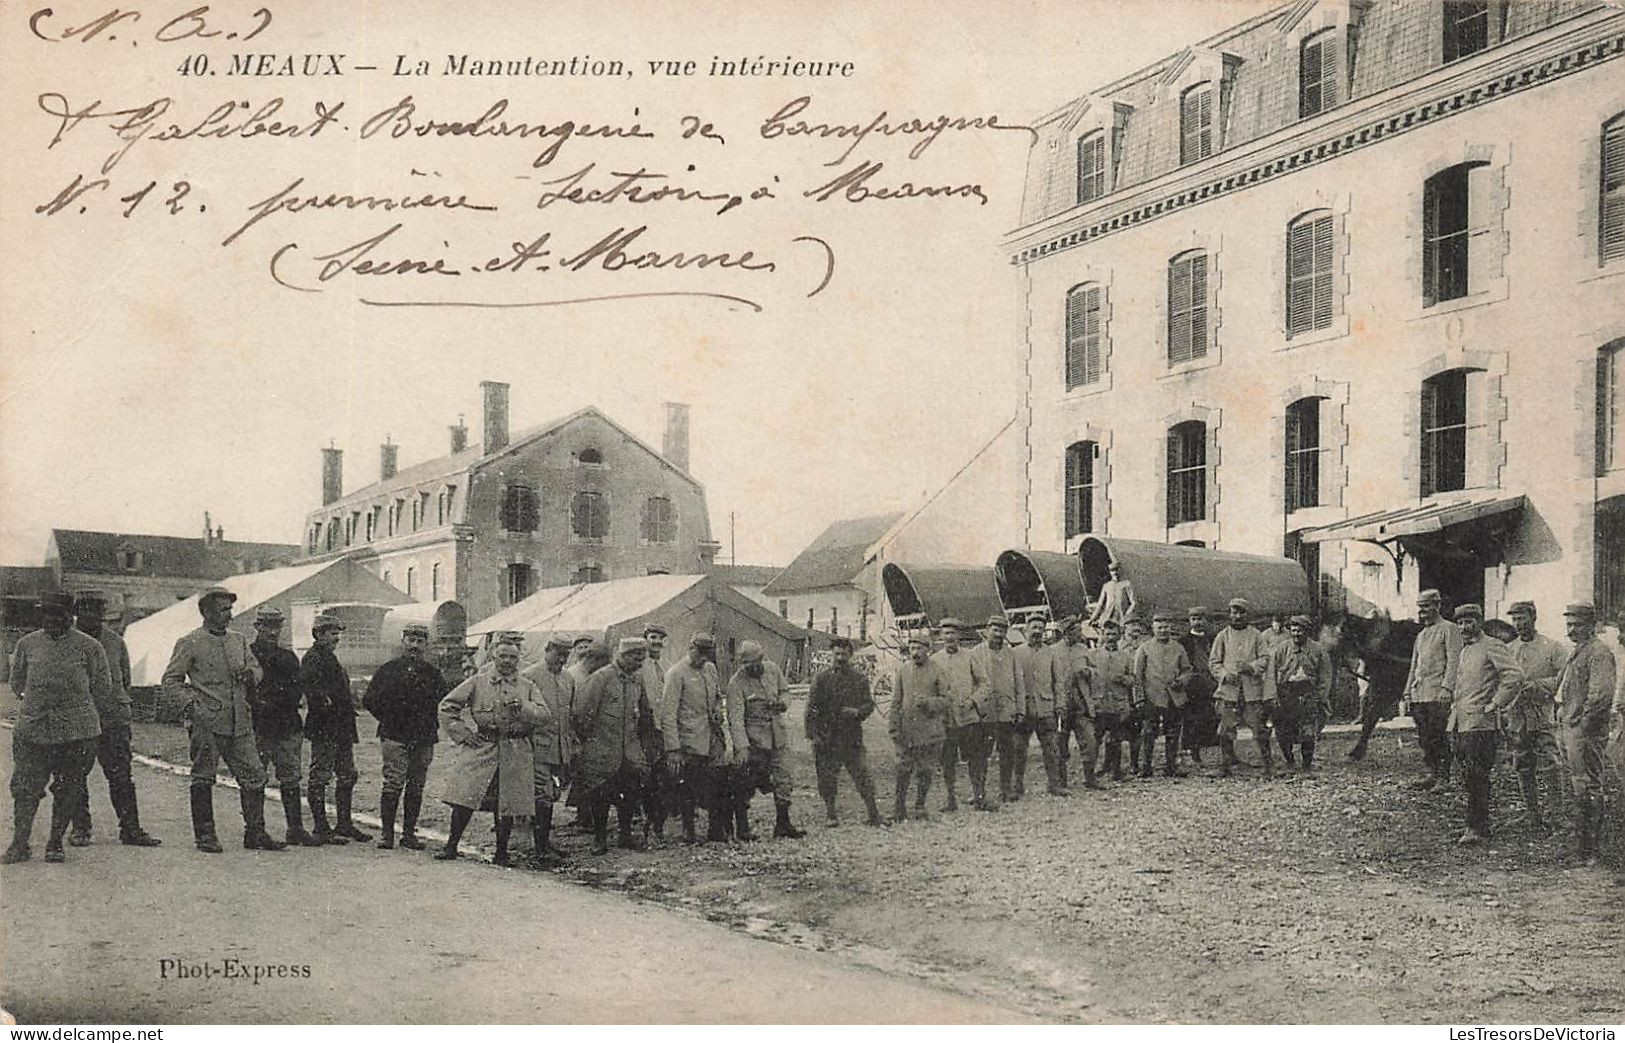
<point x="1061" y="511"/>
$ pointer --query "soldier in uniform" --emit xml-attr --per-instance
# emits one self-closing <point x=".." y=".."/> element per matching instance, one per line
<point x="1135" y="634"/>
<point x="113" y="748"/>
<point x="1586" y="694"/>
<point x="1161" y="670"/>
<point x="1487" y="683"/>
<point x="404" y="695"/>
<point x="1237" y="659"/>
<point x="1112" y="689"/>
<point x="955" y="665"/>
<point x="278" y="732"/>
<point x="659" y="797"/>
<point x="215" y="671"/>
<point x="1430" y="686"/>
<point x="490" y="718"/>
<point x="758" y="687"/>
<point x="699" y="752"/>
<point x="1078" y="713"/>
<point x="920" y="701"/>
<point x="330" y="727"/>
<point x="60" y="675"/>
<point x="1201" y="725"/>
<point x="837" y="705"/>
<point x="1067" y="658"/>
<point x="1038" y="716"/>
<point x="1004" y="691"/>
<point x="551" y="741"/>
<point x="1531" y="723"/>
<point x="1116" y="598"/>
<point x="1297" y="688"/>
<point x="611" y="765"/>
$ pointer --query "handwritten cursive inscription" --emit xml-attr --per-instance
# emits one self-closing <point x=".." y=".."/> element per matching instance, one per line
<point x="780" y="124"/>
<point x="402" y="119"/>
<point x="287" y="201"/>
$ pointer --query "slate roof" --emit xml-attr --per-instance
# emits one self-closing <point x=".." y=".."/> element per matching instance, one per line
<point x="835" y="557"/>
<point x="186" y="557"/>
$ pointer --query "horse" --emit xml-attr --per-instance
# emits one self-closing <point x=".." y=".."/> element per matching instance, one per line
<point x="1383" y="647"/>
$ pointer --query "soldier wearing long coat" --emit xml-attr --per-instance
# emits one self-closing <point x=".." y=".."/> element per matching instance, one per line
<point x="610" y="765"/>
<point x="489" y="718"/>
<point x="553" y="741"/>
<point x="921" y="699"/>
<point x="1298" y="681"/>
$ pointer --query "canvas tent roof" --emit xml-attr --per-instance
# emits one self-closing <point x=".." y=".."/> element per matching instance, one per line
<point x="1171" y="577"/>
<point x="151" y="640"/>
<point x="963" y="592"/>
<point x="1033" y="579"/>
<point x="684" y="605"/>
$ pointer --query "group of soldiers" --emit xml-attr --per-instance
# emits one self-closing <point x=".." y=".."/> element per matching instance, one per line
<point x="1121" y="685"/>
<point x="629" y="732"/>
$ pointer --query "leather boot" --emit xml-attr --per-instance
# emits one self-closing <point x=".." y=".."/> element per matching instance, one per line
<point x="1227" y="757"/>
<point x="1266" y="760"/>
<point x="504" y="832"/>
<point x="1061" y="773"/>
<point x="1591" y="835"/>
<point x="1307" y="749"/>
<point x="599" y="815"/>
<point x="690" y="836"/>
<point x="921" y="788"/>
<point x="900" y="804"/>
<point x="1148" y="746"/>
<point x="203" y="820"/>
<point x="623" y="830"/>
<point x="868" y="794"/>
<point x="460" y="818"/>
<point x="255" y="838"/>
<point x="129" y="819"/>
<point x="951" y="781"/>
<point x="741" y="821"/>
<point x="22" y="817"/>
<point x="716" y="832"/>
<point x="412" y="802"/>
<point x="782" y="826"/>
<point x="388" y="801"/>
<point x="318" y="817"/>
<point x="1054" y="775"/>
<point x="293" y="812"/>
<point x="342" y="798"/>
<point x="1089" y="780"/>
<point x="1529" y="785"/>
<point x="540" y="834"/>
<point x="61" y="819"/>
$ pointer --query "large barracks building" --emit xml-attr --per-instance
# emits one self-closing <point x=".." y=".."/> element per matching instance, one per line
<point x="1345" y="282"/>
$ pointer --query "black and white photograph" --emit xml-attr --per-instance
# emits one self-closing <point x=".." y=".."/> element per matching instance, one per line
<point x="929" y="513"/>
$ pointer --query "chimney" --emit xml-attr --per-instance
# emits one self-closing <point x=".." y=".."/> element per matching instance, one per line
<point x="219" y="534"/>
<point x="208" y="529"/>
<point x="674" y="446"/>
<point x="459" y="435"/>
<point x="332" y="474"/>
<point x="496" y="415"/>
<point x="388" y="454"/>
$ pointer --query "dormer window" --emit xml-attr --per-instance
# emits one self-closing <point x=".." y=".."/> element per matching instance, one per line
<point x="1091" y="167"/>
<point x="590" y="456"/>
<point x="1317" y="74"/>
<point x="1196" y="123"/>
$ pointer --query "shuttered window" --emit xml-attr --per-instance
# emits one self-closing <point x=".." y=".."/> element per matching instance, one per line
<point x="1091" y="167"/>
<point x="1083" y="329"/>
<point x="589" y="515"/>
<point x="1611" y="240"/>
<point x="1080" y="488"/>
<point x="1611" y="408"/>
<point x="1187" y="472"/>
<point x="521" y="510"/>
<point x="1303" y="454"/>
<point x="1445" y="234"/>
<point x="588" y="574"/>
<point x="1196" y="123"/>
<point x="519" y="582"/>
<point x="1309" y="273"/>
<point x="1187" y="308"/>
<point x="1317" y="74"/>
<point x="1444" y="432"/>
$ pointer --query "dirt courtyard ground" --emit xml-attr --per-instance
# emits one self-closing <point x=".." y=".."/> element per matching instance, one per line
<point x="1340" y="897"/>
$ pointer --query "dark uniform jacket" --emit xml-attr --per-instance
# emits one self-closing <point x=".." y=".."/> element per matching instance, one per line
<point x="330" y="709"/>
<point x="276" y="697"/>
<point x="834" y="690"/>
<point x="405" y="696"/>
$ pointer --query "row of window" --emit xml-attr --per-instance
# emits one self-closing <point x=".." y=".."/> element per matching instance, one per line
<point x="384" y="520"/>
<point x="589" y="514"/>
<point x="436" y="590"/>
<point x="1324" y="79"/>
<point x="1446" y="423"/>
<point x="1458" y="208"/>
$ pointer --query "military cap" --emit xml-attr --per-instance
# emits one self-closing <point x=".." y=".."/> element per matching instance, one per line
<point x="268" y="614"/>
<point x="1428" y="597"/>
<point x="1068" y="622"/>
<point x="508" y="637"/>
<point x="420" y="629"/>
<point x="841" y="642"/>
<point x="560" y="641"/>
<point x="1241" y="603"/>
<point x="1526" y="607"/>
<point x="1469" y="610"/>
<point x="1164" y="617"/>
<point x="1111" y="624"/>
<point x="998" y="621"/>
<point x="326" y="622"/>
<point x="631" y="644"/>
<point x="1052" y="627"/>
<point x="1197" y="610"/>
<point x="750" y="650"/>
<point x="57" y="601"/>
<point x="920" y="637"/>
<point x="1035" y="624"/>
<point x="654" y="630"/>
<point x="1584" y="612"/>
<point x="89" y="599"/>
<point x="216" y="592"/>
<point x="950" y="623"/>
<point x="1302" y="621"/>
<point x="702" y="640"/>
<point x="581" y="642"/>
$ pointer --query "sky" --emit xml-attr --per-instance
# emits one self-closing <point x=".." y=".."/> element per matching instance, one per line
<point x="149" y="373"/>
